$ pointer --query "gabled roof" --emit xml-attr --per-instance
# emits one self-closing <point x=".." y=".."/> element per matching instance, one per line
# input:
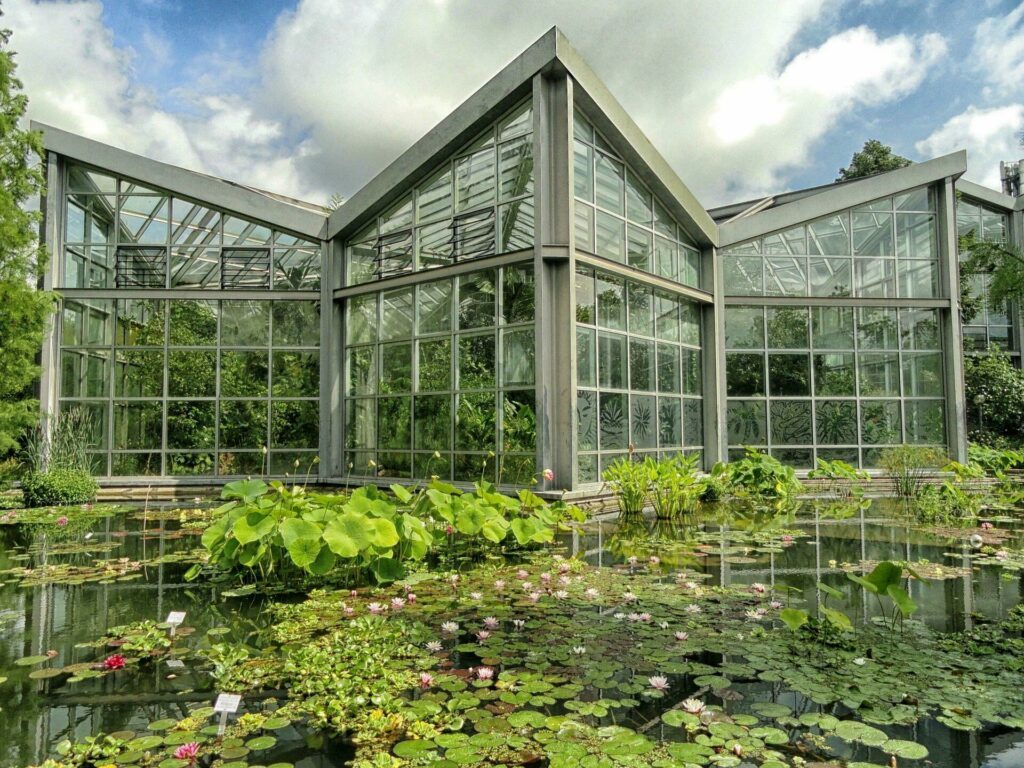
<point x="551" y="51"/>
<point x="989" y="196"/>
<point x="835" y="197"/>
<point x="280" y="211"/>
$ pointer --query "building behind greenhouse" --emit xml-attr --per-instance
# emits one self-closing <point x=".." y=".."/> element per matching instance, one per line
<point x="529" y="286"/>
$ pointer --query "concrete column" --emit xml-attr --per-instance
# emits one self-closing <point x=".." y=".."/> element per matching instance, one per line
<point x="554" y="270"/>
<point x="951" y="331"/>
<point x="332" y="364"/>
<point x="713" y="356"/>
<point x="51" y="231"/>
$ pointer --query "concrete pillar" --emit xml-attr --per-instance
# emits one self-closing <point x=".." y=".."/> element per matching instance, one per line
<point x="951" y="331"/>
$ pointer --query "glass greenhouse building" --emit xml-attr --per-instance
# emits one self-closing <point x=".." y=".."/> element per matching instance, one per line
<point x="529" y="286"/>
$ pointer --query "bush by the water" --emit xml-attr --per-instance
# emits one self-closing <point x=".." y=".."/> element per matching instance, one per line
<point x="58" y="488"/>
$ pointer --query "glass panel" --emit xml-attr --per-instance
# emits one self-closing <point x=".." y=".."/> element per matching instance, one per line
<point x="395" y="426"/>
<point x="519" y="422"/>
<point x="362" y="262"/>
<point x="475" y="180"/>
<point x="297" y="323"/>
<point x="434" y="307"/>
<point x="517" y="294"/>
<point x="689" y="317"/>
<point x="243" y="423"/>
<point x="832" y="327"/>
<point x="238" y="231"/>
<point x="829" y="236"/>
<point x="744" y="328"/>
<point x="191" y="423"/>
<point x="791" y="422"/>
<point x="295" y="424"/>
<point x="926" y="422"/>
<point x="297" y="269"/>
<point x="918" y="279"/>
<point x="612" y="360"/>
<point x="193" y="323"/>
<point x="789" y="375"/>
<point x="245" y="323"/>
<point x="518" y="358"/>
<point x="515" y="160"/>
<point x="139" y="323"/>
<point x="744" y="374"/>
<point x="787" y="327"/>
<point x="396" y="314"/>
<point x="143" y="219"/>
<point x="877" y="328"/>
<point x="517" y="225"/>
<point x="880" y="422"/>
<point x="195" y="268"/>
<point x="399" y="217"/>
<point x="612" y="421"/>
<point x="919" y="329"/>
<point x="879" y="374"/>
<point x="477" y="299"/>
<point x="194" y="224"/>
<point x="89" y="322"/>
<point x="792" y="242"/>
<point x="192" y="373"/>
<point x="742" y="275"/>
<point x="361" y="425"/>
<point x="435" y="365"/>
<point x="669" y="367"/>
<point x="362" y="371"/>
<point x="361" y="320"/>
<point x="747" y="423"/>
<point x="641" y="365"/>
<point x="476" y="426"/>
<point x="641" y="309"/>
<point x="244" y="374"/>
<point x="692" y="381"/>
<point x="666" y="317"/>
<point x="586" y="364"/>
<point x="640" y="249"/>
<point x="830" y="277"/>
<point x="665" y="257"/>
<point x="434" y="199"/>
<point x="922" y="374"/>
<point x="643" y="421"/>
<point x="611" y="306"/>
<point x="139" y="373"/>
<point x="836" y="422"/>
<point x="920" y="199"/>
<point x="585" y="297"/>
<point x="610" y="237"/>
<point x="610" y="184"/>
<point x="916" y="236"/>
<point x="137" y="464"/>
<point x="583" y="171"/>
<point x="785" y="276"/>
<point x="476" y="361"/>
<point x="297" y="374"/>
<point x="834" y="374"/>
<point x="583" y="223"/>
<point x="586" y="420"/>
<point x="82" y="179"/>
<point x="670" y="422"/>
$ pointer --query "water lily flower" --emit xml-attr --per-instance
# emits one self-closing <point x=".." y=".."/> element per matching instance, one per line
<point x="690" y="585"/>
<point x="353" y="593"/>
<point x="499" y="585"/>
<point x="655" y="560"/>
<point x="832" y="563"/>
<point x="753" y="615"/>
<point x="619" y="615"/>
<point x="564" y="580"/>
<point x="693" y="706"/>
<point x="592" y="593"/>
<point x="52" y="654"/>
<point x="348" y="610"/>
<point x="534" y="597"/>
<point x="775" y="604"/>
<point x="693" y="608"/>
<point x="411" y="597"/>
<point x="663" y="625"/>
<point x="633" y="617"/>
<point x="561" y="594"/>
<point x="682" y="637"/>
<point x="482" y="635"/>
<point x="397" y="603"/>
<point x="522" y="574"/>
<point x="188" y="751"/>
<point x="658" y="682"/>
<point x="491" y="622"/>
<point x="984" y="526"/>
<point x="629" y="597"/>
<point x="545" y="577"/>
<point x="787" y="539"/>
<point x="757" y="588"/>
<point x="485" y="673"/>
<point x="375" y="608"/>
<point x="62" y="521"/>
<point x="527" y="586"/>
<point x="476" y="595"/>
<point x="434" y="646"/>
<point x="114" y="662"/>
<point x="860" y="661"/>
<point x="454" y="579"/>
<point x="645" y="617"/>
<point x="449" y="627"/>
<point x="633" y="560"/>
<point x="737" y="749"/>
<point x="449" y="530"/>
<point x="579" y="650"/>
<point x="564" y="567"/>
<point x="518" y="623"/>
<point x="426" y="679"/>
<point x="548" y="474"/>
<point x="1002" y="554"/>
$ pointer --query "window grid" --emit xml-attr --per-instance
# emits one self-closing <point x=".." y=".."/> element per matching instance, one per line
<point x="646" y="236"/>
<point x="861" y="449"/>
<point x="988" y="329"/>
<point x="680" y="339"/>
<point x="112" y="345"/>
<point x="496" y="462"/>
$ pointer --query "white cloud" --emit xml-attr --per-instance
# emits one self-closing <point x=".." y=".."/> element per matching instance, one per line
<point x="988" y="135"/>
<point x="999" y="51"/>
<point x="342" y="87"/>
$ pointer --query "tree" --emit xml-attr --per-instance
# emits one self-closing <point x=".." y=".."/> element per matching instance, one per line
<point x="994" y="392"/>
<point x="875" y="157"/>
<point x="23" y="309"/>
<point x="1002" y="261"/>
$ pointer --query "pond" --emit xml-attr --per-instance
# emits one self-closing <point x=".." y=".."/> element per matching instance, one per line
<point x="65" y="586"/>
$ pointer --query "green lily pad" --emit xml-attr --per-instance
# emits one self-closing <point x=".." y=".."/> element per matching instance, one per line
<point x="261" y="742"/>
<point x="145" y="742"/>
<point x="910" y="750"/>
<point x="414" y="748"/>
<point x="274" y="723"/>
<point x="31" y="661"/>
<point x="162" y="725"/>
<point x="43" y="674"/>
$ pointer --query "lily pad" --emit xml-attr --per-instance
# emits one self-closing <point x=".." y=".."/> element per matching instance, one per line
<point x="261" y="742"/>
<point x="909" y="750"/>
<point x="31" y="661"/>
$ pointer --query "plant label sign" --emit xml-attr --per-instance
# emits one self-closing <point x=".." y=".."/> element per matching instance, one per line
<point x="227" y="703"/>
<point x="175" y="618"/>
<point x="176" y="663"/>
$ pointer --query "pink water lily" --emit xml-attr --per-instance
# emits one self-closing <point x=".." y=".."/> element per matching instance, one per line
<point x="682" y="636"/>
<point x="561" y="594"/>
<point x="482" y="635"/>
<point x="592" y="593"/>
<point x="426" y="679"/>
<point x="548" y="475"/>
<point x="658" y="682"/>
<point x="534" y="597"/>
<point x="522" y="574"/>
<point x="629" y="597"/>
<point x="114" y="662"/>
<point x="397" y="603"/>
<point x="411" y="597"/>
<point x="375" y="608"/>
<point x="188" y="751"/>
<point x="62" y="521"/>
<point x="491" y="622"/>
<point x="654" y="560"/>
<point x="545" y="577"/>
<point x="484" y="673"/>
<point x="758" y="588"/>
<point x="499" y="585"/>
<point x="476" y="595"/>
<point x="986" y="526"/>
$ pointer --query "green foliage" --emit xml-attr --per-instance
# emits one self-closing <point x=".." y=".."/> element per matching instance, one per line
<point x="23" y="309"/>
<point x="842" y="479"/>
<point x="884" y="582"/>
<point x="675" y="485"/>
<point x="995" y="462"/>
<point x="994" y="392"/>
<point x="57" y="488"/>
<point x="874" y="157"/>
<point x="630" y="481"/>
<point x="64" y="446"/>
<point x="265" y="529"/>
<point x="1003" y="262"/>
<point x="758" y="476"/>
<point x="908" y="465"/>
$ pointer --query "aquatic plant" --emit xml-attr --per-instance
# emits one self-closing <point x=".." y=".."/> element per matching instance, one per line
<point x="757" y="476"/>
<point x="908" y="465"/>
<point x="675" y="484"/>
<point x="841" y="479"/>
<point x="630" y="481"/>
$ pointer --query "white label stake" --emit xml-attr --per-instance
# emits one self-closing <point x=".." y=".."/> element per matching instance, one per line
<point x="226" y="703"/>
<point x="175" y="618"/>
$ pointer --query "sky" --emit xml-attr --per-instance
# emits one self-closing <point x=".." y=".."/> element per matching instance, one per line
<point x="313" y="98"/>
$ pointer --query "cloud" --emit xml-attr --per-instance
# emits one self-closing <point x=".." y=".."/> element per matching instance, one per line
<point x="988" y="135"/>
<point x="339" y="88"/>
<point x="999" y="51"/>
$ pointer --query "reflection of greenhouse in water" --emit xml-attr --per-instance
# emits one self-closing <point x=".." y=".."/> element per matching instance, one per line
<point x="429" y="325"/>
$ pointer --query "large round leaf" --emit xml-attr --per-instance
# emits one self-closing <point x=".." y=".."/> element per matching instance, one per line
<point x="302" y="539"/>
<point x="382" y="532"/>
<point x="253" y="527"/>
<point x="347" y="534"/>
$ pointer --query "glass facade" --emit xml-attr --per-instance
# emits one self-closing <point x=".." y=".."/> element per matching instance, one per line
<point x="440" y="379"/>
<point x="185" y="387"/>
<point x="886" y="249"/>
<point x="478" y="203"/>
<point x="618" y="218"/>
<point x="638" y="370"/>
<point x="990" y="327"/>
<point x="832" y="382"/>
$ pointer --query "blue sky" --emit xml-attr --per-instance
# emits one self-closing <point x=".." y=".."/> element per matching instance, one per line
<point x="313" y="97"/>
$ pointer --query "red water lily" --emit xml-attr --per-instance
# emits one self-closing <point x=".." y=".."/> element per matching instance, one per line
<point x="114" y="662"/>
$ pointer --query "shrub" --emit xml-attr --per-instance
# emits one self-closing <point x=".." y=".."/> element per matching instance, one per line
<point x="994" y="391"/>
<point x="10" y="468"/>
<point x="842" y="479"/>
<point x="758" y="475"/>
<point x="907" y="465"/>
<point x="57" y="488"/>
<point x="994" y="461"/>
<point x="630" y="481"/>
<point x="675" y="486"/>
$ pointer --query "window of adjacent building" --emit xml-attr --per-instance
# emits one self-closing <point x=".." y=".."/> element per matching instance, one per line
<point x="991" y="327"/>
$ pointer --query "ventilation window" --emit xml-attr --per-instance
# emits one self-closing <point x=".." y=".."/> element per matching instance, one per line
<point x="473" y="235"/>
<point x="394" y="254"/>
<point x="141" y="267"/>
<point x="245" y="268"/>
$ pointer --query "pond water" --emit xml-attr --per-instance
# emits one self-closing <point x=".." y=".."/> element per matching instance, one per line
<point x="145" y="555"/>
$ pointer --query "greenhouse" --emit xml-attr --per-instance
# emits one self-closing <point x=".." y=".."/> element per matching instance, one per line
<point x="427" y="326"/>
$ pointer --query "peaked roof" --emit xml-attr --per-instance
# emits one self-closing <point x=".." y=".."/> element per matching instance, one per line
<point x="280" y="211"/>
<point x="551" y="51"/>
<point x="768" y="215"/>
<point x="989" y="196"/>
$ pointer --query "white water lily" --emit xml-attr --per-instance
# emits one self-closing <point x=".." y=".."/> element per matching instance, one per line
<point x="693" y="706"/>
